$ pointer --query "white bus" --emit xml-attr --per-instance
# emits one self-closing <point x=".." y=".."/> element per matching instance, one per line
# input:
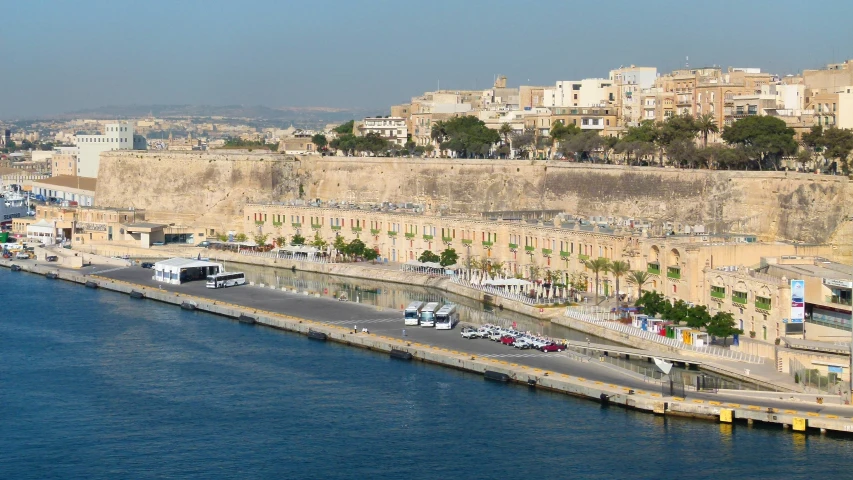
<point x="446" y="317"/>
<point x="428" y="314"/>
<point x="412" y="313"/>
<point x="226" y="279"/>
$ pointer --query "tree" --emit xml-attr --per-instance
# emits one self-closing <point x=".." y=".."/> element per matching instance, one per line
<point x="297" y="240"/>
<point x="678" y="312"/>
<point x="448" y="257"/>
<point x="698" y="317"/>
<point x="319" y="141"/>
<point x="505" y="131"/>
<point x="467" y="136"/>
<point x="722" y="325"/>
<point x="429" y="257"/>
<point x="261" y="239"/>
<point x="370" y="254"/>
<point x="355" y="248"/>
<point x="241" y="237"/>
<point x="524" y="141"/>
<point x="763" y="137"/>
<point x="677" y="130"/>
<point x="345" y="128"/>
<point x="653" y="303"/>
<point x="837" y="144"/>
<point x="345" y="142"/>
<point x="559" y="132"/>
<point x="281" y="241"/>
<point x="340" y="244"/>
<point x="318" y="241"/>
<point x="705" y="125"/>
<point x="618" y="269"/>
<point x="598" y="266"/>
<point x="582" y="145"/>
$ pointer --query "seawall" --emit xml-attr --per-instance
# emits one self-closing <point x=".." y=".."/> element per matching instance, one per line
<point x="211" y="189"/>
<point x="612" y="394"/>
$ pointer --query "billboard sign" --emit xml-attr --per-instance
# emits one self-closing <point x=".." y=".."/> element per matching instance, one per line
<point x="798" y="301"/>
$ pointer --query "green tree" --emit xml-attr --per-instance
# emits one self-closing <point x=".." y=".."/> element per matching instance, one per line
<point x="448" y="257"/>
<point x="597" y="266"/>
<point x="505" y="131"/>
<point x="280" y="241"/>
<point x="345" y="128"/>
<point x="837" y="143"/>
<point x="619" y="269"/>
<point x="428" y="257"/>
<point x="467" y="136"/>
<point x="698" y="317"/>
<point x="676" y="131"/>
<point x="340" y="244"/>
<point x="240" y="237"/>
<point x="678" y="312"/>
<point x="706" y="124"/>
<point x="581" y="145"/>
<point x="524" y="141"/>
<point x="653" y="303"/>
<point x="11" y="146"/>
<point x="346" y="143"/>
<point x="765" y="138"/>
<point x="370" y="254"/>
<point x="261" y="239"/>
<point x="297" y="240"/>
<point x="722" y="325"/>
<point x="319" y="140"/>
<point x="318" y="241"/>
<point x="355" y="248"/>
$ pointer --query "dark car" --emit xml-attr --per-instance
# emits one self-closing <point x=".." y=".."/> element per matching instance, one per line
<point x="52" y="258"/>
<point x="507" y="339"/>
<point x="552" y="347"/>
<point x="147" y="265"/>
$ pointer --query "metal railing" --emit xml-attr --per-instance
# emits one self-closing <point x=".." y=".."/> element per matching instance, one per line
<point x="608" y="320"/>
<point x="813" y="380"/>
<point x="312" y="259"/>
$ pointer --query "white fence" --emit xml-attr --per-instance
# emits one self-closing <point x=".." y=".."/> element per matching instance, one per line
<point x="315" y="259"/>
<point x="600" y="318"/>
<point x="498" y="292"/>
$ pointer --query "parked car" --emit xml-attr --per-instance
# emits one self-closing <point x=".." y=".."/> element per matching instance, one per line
<point x="147" y="265"/>
<point x="553" y="347"/>
<point x="470" y="333"/>
<point x="22" y="256"/>
<point x="52" y="258"/>
<point x="495" y="336"/>
<point x="508" y="340"/>
<point x="522" y="343"/>
<point x="158" y="244"/>
<point x="204" y="244"/>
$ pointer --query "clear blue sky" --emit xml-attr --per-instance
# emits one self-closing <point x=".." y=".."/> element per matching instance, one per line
<point x="62" y="56"/>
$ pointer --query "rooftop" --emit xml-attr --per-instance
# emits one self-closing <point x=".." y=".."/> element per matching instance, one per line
<point x="68" y="181"/>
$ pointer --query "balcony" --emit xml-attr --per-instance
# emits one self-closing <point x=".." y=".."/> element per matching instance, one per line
<point x="718" y="292"/>
<point x="673" y="273"/>
<point x="316" y="226"/>
<point x="583" y="257"/>
<point x="467" y="241"/>
<point x="739" y="298"/>
<point x="392" y="233"/>
<point x="565" y="254"/>
<point x="276" y="224"/>
<point x="374" y="231"/>
<point x="356" y="229"/>
<point x="529" y="248"/>
<point x="487" y="244"/>
<point x="259" y="222"/>
<point x="410" y="236"/>
<point x="446" y="239"/>
<point x="762" y="303"/>
<point x="427" y="237"/>
<point x="513" y="246"/>
<point x="838" y="300"/>
<point x="546" y="252"/>
<point x="653" y="268"/>
<point x="336" y="227"/>
<point x="296" y="225"/>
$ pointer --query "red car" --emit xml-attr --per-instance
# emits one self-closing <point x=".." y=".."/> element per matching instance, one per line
<point x="507" y="339"/>
<point x="553" y="347"/>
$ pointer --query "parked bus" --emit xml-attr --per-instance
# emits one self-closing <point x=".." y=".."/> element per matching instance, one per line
<point x="446" y="317"/>
<point x="412" y="313"/>
<point x="226" y="279"/>
<point x="428" y="314"/>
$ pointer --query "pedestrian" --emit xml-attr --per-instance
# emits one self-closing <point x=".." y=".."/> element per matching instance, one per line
<point x="355" y="329"/>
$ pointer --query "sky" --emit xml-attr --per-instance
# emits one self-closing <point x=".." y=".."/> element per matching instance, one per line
<point x="60" y="56"/>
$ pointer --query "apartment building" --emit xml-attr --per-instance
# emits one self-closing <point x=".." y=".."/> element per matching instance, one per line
<point x="117" y="136"/>
<point x="393" y="129"/>
<point x="629" y="84"/>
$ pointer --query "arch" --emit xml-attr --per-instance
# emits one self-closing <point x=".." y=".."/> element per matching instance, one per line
<point x="654" y="254"/>
<point x="674" y="257"/>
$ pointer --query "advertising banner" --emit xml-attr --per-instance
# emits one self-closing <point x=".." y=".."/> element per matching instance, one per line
<point x="798" y="301"/>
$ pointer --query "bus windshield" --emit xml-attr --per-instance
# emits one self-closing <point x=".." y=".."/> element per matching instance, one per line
<point x="411" y="314"/>
<point x="427" y="315"/>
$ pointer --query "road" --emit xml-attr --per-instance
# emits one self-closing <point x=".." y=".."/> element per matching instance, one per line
<point x="389" y="322"/>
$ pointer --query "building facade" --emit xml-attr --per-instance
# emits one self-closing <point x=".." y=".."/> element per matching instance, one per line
<point x="117" y="136"/>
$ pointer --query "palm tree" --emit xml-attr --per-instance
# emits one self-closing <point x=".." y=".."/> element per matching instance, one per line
<point x="599" y="265"/>
<point x="505" y="131"/>
<point x="438" y="134"/>
<point x="706" y="124"/>
<point x="618" y="269"/>
<point x="639" y="279"/>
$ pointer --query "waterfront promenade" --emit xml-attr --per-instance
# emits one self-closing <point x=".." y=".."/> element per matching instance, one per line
<point x="568" y="373"/>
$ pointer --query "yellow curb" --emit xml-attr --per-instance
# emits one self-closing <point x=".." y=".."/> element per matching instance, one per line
<point x="753" y="407"/>
<point x="735" y="405"/>
<point x="791" y="412"/>
<point x="812" y="414"/>
<point x="698" y="401"/>
<point x="712" y="402"/>
<point x="832" y="416"/>
<point x="679" y="399"/>
<point x="656" y="395"/>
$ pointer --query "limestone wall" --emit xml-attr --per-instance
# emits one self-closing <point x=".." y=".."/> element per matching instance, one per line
<point x="214" y="186"/>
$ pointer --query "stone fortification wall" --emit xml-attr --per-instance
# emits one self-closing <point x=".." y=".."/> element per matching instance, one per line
<point x="195" y="188"/>
<point x="773" y="205"/>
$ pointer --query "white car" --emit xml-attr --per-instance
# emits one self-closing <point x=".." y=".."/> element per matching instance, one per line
<point x="470" y="333"/>
<point x="521" y="343"/>
<point x="495" y="336"/>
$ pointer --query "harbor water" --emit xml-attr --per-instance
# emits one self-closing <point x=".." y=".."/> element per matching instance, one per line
<point x="98" y="385"/>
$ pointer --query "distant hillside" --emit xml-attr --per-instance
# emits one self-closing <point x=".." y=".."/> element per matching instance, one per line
<point x="299" y="116"/>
